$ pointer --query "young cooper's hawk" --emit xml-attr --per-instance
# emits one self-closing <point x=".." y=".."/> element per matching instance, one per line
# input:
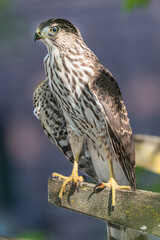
<point x="81" y="109"/>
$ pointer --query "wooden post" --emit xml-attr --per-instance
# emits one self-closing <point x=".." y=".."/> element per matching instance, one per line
<point x="139" y="210"/>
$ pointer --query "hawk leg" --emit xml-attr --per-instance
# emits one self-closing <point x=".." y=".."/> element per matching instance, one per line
<point x="111" y="184"/>
<point x="74" y="178"/>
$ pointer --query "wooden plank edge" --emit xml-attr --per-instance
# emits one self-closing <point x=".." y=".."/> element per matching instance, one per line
<point x="139" y="210"/>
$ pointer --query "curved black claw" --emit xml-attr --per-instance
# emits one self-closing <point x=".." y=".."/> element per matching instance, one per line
<point x="112" y="208"/>
<point x="96" y="187"/>
<point x="99" y="187"/>
<point x="59" y="200"/>
<point x="55" y="177"/>
<point x="75" y="185"/>
<point x="84" y="178"/>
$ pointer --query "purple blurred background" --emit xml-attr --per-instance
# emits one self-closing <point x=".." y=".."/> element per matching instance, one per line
<point x="128" y="44"/>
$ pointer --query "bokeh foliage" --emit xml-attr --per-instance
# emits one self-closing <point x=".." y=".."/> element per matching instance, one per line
<point x="32" y="235"/>
<point x="130" y="5"/>
<point x="4" y="4"/>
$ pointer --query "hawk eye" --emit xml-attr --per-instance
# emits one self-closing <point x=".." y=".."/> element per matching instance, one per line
<point x="55" y="29"/>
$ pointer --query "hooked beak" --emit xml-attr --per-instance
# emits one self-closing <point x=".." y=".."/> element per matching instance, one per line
<point x="37" y="35"/>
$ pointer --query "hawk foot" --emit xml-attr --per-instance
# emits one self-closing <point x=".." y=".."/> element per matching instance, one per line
<point x="113" y="185"/>
<point x="74" y="178"/>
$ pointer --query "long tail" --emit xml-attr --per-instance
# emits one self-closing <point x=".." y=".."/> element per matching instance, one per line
<point x="117" y="232"/>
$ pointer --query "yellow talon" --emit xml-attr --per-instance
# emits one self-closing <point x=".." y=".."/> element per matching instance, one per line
<point x="74" y="178"/>
<point x="58" y="175"/>
<point x="113" y="185"/>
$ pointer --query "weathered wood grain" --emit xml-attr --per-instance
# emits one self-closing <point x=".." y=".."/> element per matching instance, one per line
<point x="137" y="209"/>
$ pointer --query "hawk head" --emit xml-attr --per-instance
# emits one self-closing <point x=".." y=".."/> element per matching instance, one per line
<point x="57" y="31"/>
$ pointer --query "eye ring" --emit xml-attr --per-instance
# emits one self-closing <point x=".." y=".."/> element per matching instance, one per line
<point x="55" y="29"/>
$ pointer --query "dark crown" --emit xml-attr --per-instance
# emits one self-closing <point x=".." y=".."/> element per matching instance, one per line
<point x="62" y="23"/>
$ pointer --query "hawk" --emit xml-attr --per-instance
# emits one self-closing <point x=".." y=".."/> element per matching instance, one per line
<point x="82" y="111"/>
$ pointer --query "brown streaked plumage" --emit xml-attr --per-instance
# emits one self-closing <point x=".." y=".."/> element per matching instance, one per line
<point x="106" y="90"/>
<point x="91" y="105"/>
<point x="54" y="125"/>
